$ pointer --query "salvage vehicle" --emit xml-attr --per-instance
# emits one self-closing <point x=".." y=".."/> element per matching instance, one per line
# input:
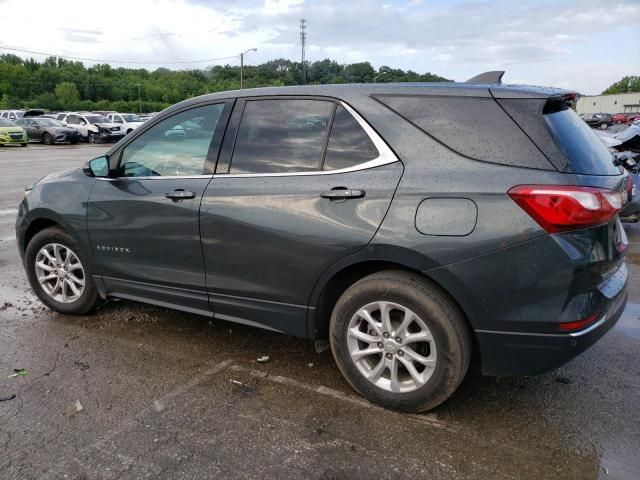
<point x="11" y="115"/>
<point x="12" y="134"/>
<point x="332" y="212"/>
<point x="127" y="121"/>
<point x="48" y="131"/>
<point x="598" y="120"/>
<point x="619" y="118"/>
<point x="94" y="128"/>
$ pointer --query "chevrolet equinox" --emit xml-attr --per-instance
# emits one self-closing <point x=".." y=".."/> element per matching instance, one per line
<point x="404" y="225"/>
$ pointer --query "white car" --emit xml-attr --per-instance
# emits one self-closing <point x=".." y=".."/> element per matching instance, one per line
<point x="128" y="121"/>
<point x="11" y="115"/>
<point x="94" y="128"/>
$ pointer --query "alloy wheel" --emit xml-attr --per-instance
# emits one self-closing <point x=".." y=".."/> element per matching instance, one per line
<point x="391" y="346"/>
<point x="60" y="273"/>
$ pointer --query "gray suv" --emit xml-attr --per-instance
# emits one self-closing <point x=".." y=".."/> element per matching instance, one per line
<point x="406" y="226"/>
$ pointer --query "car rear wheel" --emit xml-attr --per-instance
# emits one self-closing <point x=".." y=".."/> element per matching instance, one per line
<point x="59" y="274"/>
<point x="46" y="138"/>
<point x="23" y="144"/>
<point x="399" y="341"/>
<point x="603" y="126"/>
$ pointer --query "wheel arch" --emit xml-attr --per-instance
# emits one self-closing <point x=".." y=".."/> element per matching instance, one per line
<point x="340" y="276"/>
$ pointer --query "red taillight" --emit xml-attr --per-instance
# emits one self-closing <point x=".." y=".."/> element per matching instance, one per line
<point x="560" y="208"/>
<point x="578" y="324"/>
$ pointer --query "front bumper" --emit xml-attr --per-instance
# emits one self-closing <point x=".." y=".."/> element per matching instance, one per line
<point x="110" y="136"/>
<point x="10" y="140"/>
<point x="521" y="353"/>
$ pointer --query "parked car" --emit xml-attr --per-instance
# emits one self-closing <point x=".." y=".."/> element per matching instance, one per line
<point x="48" y="131"/>
<point x="104" y="113"/>
<point x="598" y="120"/>
<point x="94" y="128"/>
<point x="620" y="118"/>
<point x="11" y="115"/>
<point x="127" y="121"/>
<point x="346" y="215"/>
<point x="633" y="118"/>
<point x="12" y="134"/>
<point x="34" y="112"/>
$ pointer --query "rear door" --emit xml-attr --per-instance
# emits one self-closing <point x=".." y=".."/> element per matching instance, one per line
<point x="144" y="221"/>
<point x="300" y="184"/>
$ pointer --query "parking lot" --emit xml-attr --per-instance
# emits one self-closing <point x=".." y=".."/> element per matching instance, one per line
<point x="135" y="391"/>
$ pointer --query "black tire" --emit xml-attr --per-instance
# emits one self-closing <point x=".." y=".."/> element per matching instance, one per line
<point x="23" y="144"/>
<point x="93" y="138"/>
<point x="89" y="298"/>
<point x="442" y="317"/>
<point x="46" y="139"/>
<point x="73" y="142"/>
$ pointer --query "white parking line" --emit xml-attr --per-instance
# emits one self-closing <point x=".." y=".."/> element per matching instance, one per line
<point x="8" y="211"/>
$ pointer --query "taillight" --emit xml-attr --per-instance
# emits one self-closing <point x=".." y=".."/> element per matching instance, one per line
<point x="560" y="208"/>
<point x="578" y="324"/>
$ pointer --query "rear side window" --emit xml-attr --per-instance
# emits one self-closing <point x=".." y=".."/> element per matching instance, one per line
<point x="584" y="150"/>
<point x="475" y="127"/>
<point x="281" y="135"/>
<point x="349" y="145"/>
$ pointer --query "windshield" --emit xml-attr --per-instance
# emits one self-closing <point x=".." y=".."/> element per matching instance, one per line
<point x="19" y="114"/>
<point x="6" y="123"/>
<point x="586" y="153"/>
<point x="49" y="122"/>
<point x="129" y="117"/>
<point x="96" y="119"/>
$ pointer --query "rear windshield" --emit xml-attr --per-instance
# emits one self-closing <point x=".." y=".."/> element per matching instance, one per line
<point x="586" y="153"/>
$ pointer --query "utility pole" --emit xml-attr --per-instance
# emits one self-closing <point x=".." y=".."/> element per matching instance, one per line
<point x="242" y="54"/>
<point x="303" y="39"/>
<point x="139" y="99"/>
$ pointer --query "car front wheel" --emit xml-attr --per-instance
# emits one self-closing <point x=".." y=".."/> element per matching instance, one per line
<point x="603" y="126"/>
<point x="399" y="341"/>
<point x="58" y="273"/>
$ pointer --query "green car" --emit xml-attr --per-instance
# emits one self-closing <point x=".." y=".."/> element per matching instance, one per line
<point x="10" y="133"/>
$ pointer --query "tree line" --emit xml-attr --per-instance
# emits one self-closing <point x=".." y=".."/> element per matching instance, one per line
<point x="60" y="84"/>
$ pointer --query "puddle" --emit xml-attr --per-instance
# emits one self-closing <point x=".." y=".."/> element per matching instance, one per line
<point x="629" y="323"/>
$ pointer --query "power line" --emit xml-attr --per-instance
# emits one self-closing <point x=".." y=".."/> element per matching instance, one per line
<point x="115" y="61"/>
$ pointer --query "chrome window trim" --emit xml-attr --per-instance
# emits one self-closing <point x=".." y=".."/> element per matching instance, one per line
<point x="385" y="157"/>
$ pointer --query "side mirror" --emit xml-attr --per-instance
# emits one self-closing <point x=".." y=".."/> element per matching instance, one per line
<point x="82" y="122"/>
<point x="98" y="167"/>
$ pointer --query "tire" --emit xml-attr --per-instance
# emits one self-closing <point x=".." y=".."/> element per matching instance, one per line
<point x="23" y="144"/>
<point x="73" y="142"/>
<point x="46" y="139"/>
<point x="447" y="348"/>
<point x="603" y="126"/>
<point x="129" y="131"/>
<point x="77" y="303"/>
<point x="92" y="137"/>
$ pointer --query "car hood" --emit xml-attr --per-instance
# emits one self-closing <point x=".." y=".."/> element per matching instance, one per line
<point x="60" y="174"/>
<point x="106" y="125"/>
<point x="11" y="130"/>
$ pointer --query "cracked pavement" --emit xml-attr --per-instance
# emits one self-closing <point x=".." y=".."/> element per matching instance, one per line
<point x="158" y="401"/>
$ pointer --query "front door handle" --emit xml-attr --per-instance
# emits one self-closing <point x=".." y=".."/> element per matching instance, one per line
<point x="342" y="194"/>
<point x="180" y="194"/>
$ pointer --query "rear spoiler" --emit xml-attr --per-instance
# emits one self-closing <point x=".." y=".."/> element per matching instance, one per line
<point x="487" y="77"/>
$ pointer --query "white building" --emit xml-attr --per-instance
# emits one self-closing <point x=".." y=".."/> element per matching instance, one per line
<point x="613" y="103"/>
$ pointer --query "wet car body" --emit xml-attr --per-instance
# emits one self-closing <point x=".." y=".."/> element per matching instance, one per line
<point x="277" y="250"/>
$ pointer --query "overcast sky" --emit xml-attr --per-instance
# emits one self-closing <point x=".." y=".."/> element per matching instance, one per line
<point x="576" y="44"/>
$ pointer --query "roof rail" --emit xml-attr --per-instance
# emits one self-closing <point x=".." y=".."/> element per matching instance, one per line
<point x="487" y="77"/>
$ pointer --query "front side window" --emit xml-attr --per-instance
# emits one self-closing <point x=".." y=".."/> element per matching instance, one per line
<point x="281" y="135"/>
<point x="72" y="119"/>
<point x="349" y="144"/>
<point x="177" y="146"/>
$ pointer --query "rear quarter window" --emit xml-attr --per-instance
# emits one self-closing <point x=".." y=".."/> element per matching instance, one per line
<point x="476" y="127"/>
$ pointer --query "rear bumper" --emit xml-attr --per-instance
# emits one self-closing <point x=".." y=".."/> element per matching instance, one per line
<point x="520" y="353"/>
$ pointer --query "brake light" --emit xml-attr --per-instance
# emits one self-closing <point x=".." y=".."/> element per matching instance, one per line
<point x="560" y="208"/>
<point x="578" y="324"/>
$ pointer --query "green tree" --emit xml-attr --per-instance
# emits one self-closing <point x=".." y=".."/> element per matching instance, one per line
<point x="627" y="84"/>
<point x="67" y="94"/>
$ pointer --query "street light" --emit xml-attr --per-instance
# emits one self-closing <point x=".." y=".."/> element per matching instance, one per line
<point x="375" y="79"/>
<point x="242" y="64"/>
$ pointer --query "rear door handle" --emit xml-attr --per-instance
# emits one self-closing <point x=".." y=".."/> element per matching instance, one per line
<point x="180" y="194"/>
<point x="342" y="194"/>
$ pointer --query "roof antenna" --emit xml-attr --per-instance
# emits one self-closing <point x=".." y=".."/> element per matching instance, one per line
<point x="487" y="77"/>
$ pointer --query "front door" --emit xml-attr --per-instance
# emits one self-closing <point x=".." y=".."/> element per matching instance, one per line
<point x="144" y="221"/>
<point x="305" y="186"/>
